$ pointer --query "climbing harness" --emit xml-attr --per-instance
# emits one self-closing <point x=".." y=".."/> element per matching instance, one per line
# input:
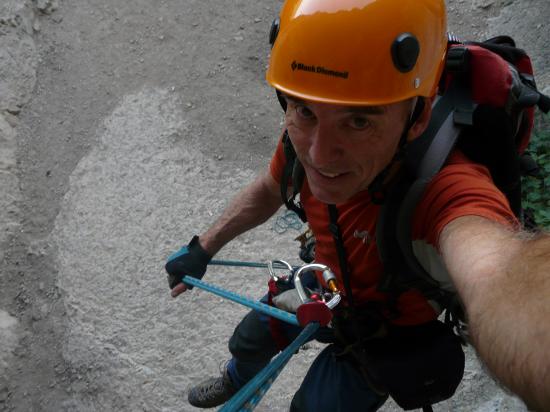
<point x="314" y="312"/>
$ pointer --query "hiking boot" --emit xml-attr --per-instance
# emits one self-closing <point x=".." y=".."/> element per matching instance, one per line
<point x="212" y="392"/>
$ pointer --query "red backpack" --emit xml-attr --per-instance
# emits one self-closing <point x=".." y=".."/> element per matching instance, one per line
<point x="486" y="109"/>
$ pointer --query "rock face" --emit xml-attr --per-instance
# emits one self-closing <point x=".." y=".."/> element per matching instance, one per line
<point x="46" y="6"/>
<point x="125" y="127"/>
<point x="18" y="56"/>
<point x="18" y="61"/>
<point x="527" y="22"/>
<point x="524" y="21"/>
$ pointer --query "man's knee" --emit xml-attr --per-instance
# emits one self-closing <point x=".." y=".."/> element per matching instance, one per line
<point x="252" y="341"/>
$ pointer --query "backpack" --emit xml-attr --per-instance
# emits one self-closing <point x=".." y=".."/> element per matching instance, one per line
<point x="485" y="108"/>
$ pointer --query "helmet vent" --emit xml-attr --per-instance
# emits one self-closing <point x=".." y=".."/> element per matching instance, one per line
<point x="405" y="50"/>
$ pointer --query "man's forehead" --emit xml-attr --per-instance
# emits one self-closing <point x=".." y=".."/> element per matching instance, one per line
<point x="376" y="109"/>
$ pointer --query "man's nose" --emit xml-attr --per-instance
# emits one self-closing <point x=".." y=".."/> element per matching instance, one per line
<point x="324" y="148"/>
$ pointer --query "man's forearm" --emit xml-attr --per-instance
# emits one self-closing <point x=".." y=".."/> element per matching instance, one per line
<point x="505" y="286"/>
<point x="249" y="208"/>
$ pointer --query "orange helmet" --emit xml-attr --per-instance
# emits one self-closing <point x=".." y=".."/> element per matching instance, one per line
<point x="358" y="52"/>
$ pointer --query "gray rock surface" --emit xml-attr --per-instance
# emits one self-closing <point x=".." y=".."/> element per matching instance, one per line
<point x="18" y="57"/>
<point x="529" y="21"/>
<point x="17" y="76"/>
<point x="525" y="21"/>
<point x="125" y="127"/>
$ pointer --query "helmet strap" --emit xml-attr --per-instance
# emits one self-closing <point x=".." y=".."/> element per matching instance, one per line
<point x="415" y="115"/>
<point x="377" y="188"/>
<point x="281" y="99"/>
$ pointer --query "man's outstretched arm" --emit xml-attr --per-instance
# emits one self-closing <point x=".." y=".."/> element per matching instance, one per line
<point x="252" y="206"/>
<point x="503" y="278"/>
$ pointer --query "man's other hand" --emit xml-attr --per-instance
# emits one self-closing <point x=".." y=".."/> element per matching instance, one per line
<point x="190" y="260"/>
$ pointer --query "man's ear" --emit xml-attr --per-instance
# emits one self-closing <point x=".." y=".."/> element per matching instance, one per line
<point x="423" y="120"/>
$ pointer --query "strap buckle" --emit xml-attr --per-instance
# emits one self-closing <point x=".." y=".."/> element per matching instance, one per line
<point x="458" y="60"/>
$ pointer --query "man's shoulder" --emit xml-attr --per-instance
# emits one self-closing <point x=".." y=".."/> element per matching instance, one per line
<point x="461" y="188"/>
<point x="459" y="166"/>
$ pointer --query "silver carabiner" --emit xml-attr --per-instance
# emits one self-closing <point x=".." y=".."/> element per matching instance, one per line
<point x="272" y="273"/>
<point x="329" y="278"/>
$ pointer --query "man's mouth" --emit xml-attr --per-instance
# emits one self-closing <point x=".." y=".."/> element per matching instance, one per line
<point x="328" y="174"/>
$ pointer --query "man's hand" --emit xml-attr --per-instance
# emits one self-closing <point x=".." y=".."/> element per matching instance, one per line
<point x="190" y="260"/>
<point x="252" y="206"/>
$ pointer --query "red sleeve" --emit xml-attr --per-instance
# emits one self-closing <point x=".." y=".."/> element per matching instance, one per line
<point x="278" y="161"/>
<point x="461" y="188"/>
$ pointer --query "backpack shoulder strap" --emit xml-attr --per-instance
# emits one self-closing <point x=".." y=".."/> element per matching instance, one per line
<point x="293" y="171"/>
<point x="424" y="158"/>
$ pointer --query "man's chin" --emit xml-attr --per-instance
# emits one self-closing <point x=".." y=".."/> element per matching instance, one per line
<point x="330" y="198"/>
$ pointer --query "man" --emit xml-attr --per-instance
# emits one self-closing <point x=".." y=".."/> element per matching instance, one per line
<point x="357" y="78"/>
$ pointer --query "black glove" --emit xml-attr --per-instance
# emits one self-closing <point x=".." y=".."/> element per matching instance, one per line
<point x="190" y="260"/>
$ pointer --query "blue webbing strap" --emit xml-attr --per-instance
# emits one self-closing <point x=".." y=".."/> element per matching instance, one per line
<point x="250" y="395"/>
<point x="253" y="304"/>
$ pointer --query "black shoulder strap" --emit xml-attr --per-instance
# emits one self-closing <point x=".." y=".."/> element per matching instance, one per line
<point x="292" y="171"/>
<point x="424" y="158"/>
<point x="334" y="229"/>
<point x="452" y="111"/>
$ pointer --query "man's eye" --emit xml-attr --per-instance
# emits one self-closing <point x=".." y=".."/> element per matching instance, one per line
<point x="359" y="122"/>
<point x="304" y="112"/>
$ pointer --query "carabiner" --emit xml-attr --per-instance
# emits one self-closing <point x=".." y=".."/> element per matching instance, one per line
<point x="328" y="277"/>
<point x="273" y="275"/>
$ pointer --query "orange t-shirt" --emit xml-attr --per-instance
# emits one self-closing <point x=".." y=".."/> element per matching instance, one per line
<point x="461" y="188"/>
